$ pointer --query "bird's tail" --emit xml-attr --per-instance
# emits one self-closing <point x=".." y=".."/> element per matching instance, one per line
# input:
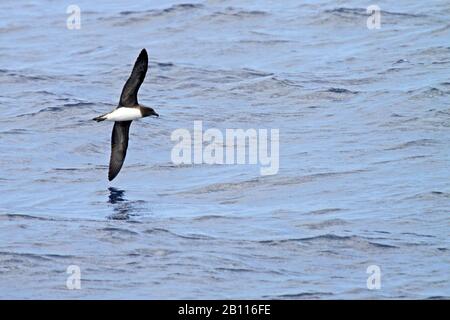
<point x="100" y="118"/>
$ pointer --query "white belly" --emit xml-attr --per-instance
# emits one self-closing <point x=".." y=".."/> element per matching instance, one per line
<point x="124" y="114"/>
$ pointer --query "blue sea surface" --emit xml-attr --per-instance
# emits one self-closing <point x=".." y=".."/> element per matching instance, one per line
<point x="364" y="179"/>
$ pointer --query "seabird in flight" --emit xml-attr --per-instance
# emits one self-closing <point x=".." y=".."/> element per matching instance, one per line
<point x="128" y="110"/>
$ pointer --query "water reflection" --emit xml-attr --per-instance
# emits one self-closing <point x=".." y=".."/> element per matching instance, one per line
<point x="124" y="208"/>
<point x="121" y="204"/>
<point x="116" y="195"/>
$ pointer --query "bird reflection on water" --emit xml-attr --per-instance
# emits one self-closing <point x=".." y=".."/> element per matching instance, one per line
<point x="122" y="206"/>
<point x="116" y="195"/>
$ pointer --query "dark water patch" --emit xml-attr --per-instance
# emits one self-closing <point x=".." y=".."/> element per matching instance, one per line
<point x="212" y="217"/>
<point x="428" y="92"/>
<point x="174" y="8"/>
<point x="382" y="232"/>
<point x="414" y="143"/>
<point x="119" y="231"/>
<point x="287" y="83"/>
<point x="121" y="216"/>
<point x="239" y="13"/>
<point x="418" y="235"/>
<point x="188" y="236"/>
<point x="158" y="230"/>
<point x="238" y="270"/>
<point x="21" y="255"/>
<point x="400" y="159"/>
<point x="15" y="131"/>
<point x="389" y="70"/>
<point x="348" y="11"/>
<point x="164" y="65"/>
<point x="256" y="73"/>
<point x="44" y="110"/>
<point x="329" y="238"/>
<point x="441" y="62"/>
<point x="183" y="6"/>
<point x="194" y="236"/>
<point x="44" y="92"/>
<point x="134" y="222"/>
<point x="133" y="255"/>
<point x="440" y="193"/>
<point x="59" y="256"/>
<point x="51" y="109"/>
<point x="341" y="90"/>
<point x="66" y="169"/>
<point x="23" y="77"/>
<point x="325" y="224"/>
<point x="401" y="61"/>
<point x="15" y="217"/>
<point x="79" y="104"/>
<point x="302" y="295"/>
<point x="129" y="12"/>
<point x="382" y="245"/>
<point x="363" y="12"/>
<point x="324" y="211"/>
<point x="433" y="92"/>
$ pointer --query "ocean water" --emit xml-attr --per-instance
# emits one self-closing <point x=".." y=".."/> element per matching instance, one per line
<point x="364" y="120"/>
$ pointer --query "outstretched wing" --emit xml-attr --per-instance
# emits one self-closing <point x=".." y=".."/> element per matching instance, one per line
<point x="128" y="98"/>
<point x="119" y="145"/>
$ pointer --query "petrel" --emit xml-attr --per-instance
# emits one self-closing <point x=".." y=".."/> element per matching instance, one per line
<point x="128" y="110"/>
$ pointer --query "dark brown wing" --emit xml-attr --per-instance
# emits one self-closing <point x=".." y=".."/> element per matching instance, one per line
<point x="119" y="145"/>
<point x="128" y="98"/>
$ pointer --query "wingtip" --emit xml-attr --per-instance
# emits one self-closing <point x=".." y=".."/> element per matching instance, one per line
<point x="143" y="56"/>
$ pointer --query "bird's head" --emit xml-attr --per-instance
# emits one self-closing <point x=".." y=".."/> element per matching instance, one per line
<point x="146" y="112"/>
